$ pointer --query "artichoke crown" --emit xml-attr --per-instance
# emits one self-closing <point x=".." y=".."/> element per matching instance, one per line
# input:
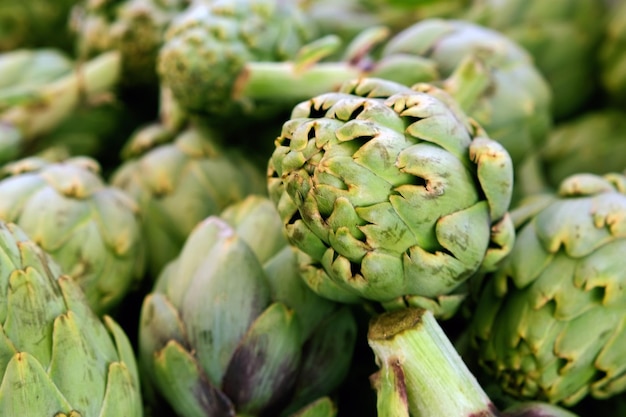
<point x="56" y="356"/>
<point x="550" y="322"/>
<point x="388" y="191"/>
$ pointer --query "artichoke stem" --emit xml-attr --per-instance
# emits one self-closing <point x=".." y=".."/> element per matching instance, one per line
<point x="421" y="374"/>
<point x="282" y="81"/>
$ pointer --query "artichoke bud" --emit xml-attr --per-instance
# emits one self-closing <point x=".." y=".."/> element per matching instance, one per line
<point x="209" y="43"/>
<point x="190" y="173"/>
<point x="402" y="199"/>
<point x="58" y="357"/>
<point x="490" y="77"/>
<point x="549" y="320"/>
<point x="249" y="359"/>
<point x="91" y="229"/>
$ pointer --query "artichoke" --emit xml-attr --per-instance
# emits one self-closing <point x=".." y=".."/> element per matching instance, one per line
<point x="170" y="173"/>
<point x="41" y="88"/>
<point x="612" y="64"/>
<point x="90" y="229"/>
<point x="594" y="142"/>
<point x="391" y="194"/>
<point x="562" y="37"/>
<point x="493" y="78"/>
<point x="230" y="328"/>
<point x="207" y="46"/>
<point x="550" y="322"/>
<point x="58" y="358"/>
<point x="134" y="28"/>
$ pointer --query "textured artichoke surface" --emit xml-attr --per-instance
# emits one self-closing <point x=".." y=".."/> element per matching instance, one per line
<point x="188" y="173"/>
<point x="562" y="36"/>
<point x="230" y="328"/>
<point x="209" y="43"/>
<point x="550" y="323"/>
<point x="491" y="76"/>
<point x="57" y="358"/>
<point x="390" y="193"/>
<point x="91" y="230"/>
<point x="135" y="28"/>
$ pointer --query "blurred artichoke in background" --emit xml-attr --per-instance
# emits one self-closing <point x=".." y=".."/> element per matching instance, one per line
<point x="562" y="36"/>
<point x="550" y="323"/>
<point x="207" y="46"/>
<point x="231" y="329"/>
<point x="41" y="88"/>
<point x="179" y="179"/>
<point x="91" y="230"/>
<point x="391" y="194"/>
<point x="594" y="142"/>
<point x="492" y="78"/>
<point x="135" y="28"/>
<point x="35" y="23"/>
<point x="611" y="58"/>
<point x="58" y="358"/>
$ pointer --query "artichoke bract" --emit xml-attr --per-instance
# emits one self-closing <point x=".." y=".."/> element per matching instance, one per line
<point x="207" y="46"/>
<point x="188" y="172"/>
<point x="41" y="88"/>
<point x="391" y="194"/>
<point x="135" y="28"/>
<point x="231" y="329"/>
<point x="58" y="358"/>
<point x="562" y="37"/>
<point x="594" y="142"/>
<point x="492" y="77"/>
<point x="90" y="229"/>
<point x="550" y="323"/>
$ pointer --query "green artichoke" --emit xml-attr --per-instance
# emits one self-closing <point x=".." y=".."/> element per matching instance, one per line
<point x="391" y="194"/>
<point x="231" y="329"/>
<point x="562" y="37"/>
<point x="134" y="28"/>
<point x="594" y="142"/>
<point x="173" y="173"/>
<point x="550" y="322"/>
<point x="208" y="45"/>
<point x="493" y="78"/>
<point x="612" y="63"/>
<point x="58" y="358"/>
<point x="90" y="229"/>
<point x="41" y="88"/>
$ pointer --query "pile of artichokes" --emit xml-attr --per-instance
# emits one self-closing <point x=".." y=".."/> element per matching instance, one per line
<point x="313" y="208"/>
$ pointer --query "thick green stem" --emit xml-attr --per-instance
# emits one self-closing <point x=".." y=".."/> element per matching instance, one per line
<point x="281" y="81"/>
<point x="421" y="374"/>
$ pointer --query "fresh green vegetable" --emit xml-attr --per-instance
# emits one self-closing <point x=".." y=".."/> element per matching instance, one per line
<point x="549" y="324"/>
<point x="58" y="358"/>
<point x="133" y="28"/>
<point x="422" y="375"/>
<point x="173" y="173"/>
<point x="90" y="229"/>
<point x="562" y="36"/>
<point x="230" y="328"/>
<point x="209" y="43"/>
<point x="391" y="194"/>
